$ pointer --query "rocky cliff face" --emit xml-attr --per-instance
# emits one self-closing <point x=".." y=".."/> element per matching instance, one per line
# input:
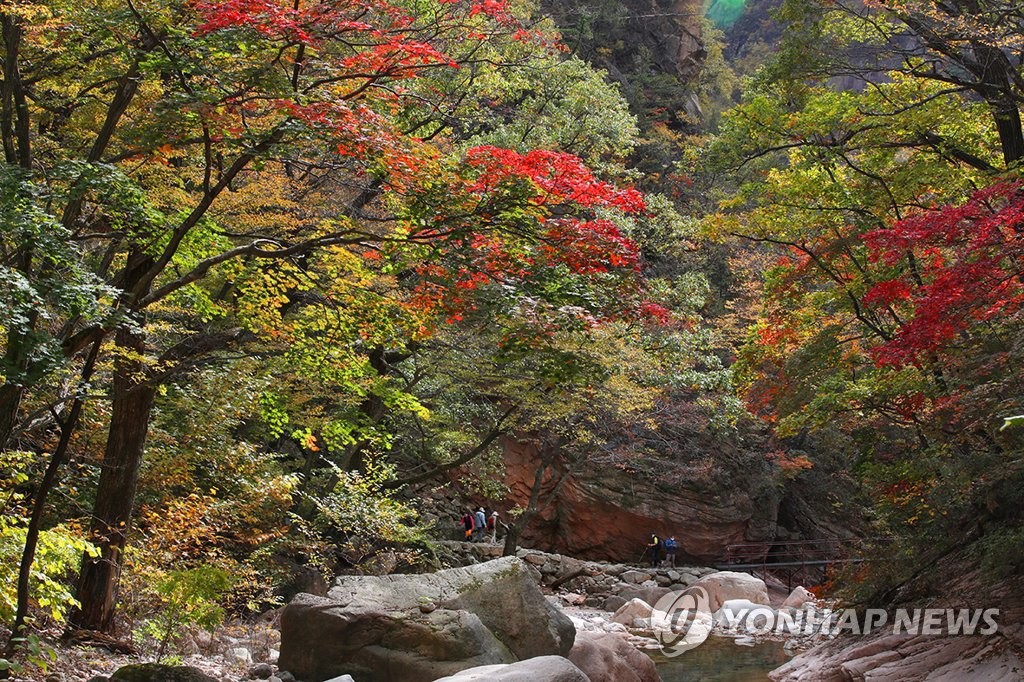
<point x="652" y="48"/>
<point x="603" y="512"/>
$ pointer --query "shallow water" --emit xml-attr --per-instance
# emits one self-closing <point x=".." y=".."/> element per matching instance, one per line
<point x="719" y="660"/>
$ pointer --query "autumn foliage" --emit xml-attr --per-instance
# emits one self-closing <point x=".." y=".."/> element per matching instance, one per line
<point x="961" y="266"/>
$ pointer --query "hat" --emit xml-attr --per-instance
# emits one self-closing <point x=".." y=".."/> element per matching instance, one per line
<point x="494" y="513"/>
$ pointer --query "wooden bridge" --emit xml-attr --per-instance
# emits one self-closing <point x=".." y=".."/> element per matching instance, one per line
<point x="803" y="562"/>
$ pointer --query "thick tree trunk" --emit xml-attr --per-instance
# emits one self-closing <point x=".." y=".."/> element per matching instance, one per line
<point x="132" y="401"/>
<point x="511" y="540"/>
<point x="1008" y="125"/>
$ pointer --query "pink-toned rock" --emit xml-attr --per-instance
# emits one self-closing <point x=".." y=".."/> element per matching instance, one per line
<point x="632" y="610"/>
<point x="609" y="657"/>
<point x="607" y="514"/>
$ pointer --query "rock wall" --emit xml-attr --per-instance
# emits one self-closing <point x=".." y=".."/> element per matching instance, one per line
<point x="604" y="513"/>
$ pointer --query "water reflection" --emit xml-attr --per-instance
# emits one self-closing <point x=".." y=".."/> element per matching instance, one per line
<point x="719" y="660"/>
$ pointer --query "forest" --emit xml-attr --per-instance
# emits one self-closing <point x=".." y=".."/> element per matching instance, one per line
<point x="282" y="281"/>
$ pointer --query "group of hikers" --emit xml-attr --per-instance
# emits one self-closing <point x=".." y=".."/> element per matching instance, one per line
<point x="655" y="546"/>
<point x="479" y="526"/>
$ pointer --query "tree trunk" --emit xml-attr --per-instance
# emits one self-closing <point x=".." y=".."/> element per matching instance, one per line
<point x="132" y="401"/>
<point x="511" y="540"/>
<point x="39" y="506"/>
<point x="17" y="361"/>
<point x="1008" y="125"/>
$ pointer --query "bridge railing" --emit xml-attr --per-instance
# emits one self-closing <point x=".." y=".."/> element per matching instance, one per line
<point x="796" y="561"/>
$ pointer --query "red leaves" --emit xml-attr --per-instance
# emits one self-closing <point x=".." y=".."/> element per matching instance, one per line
<point x="589" y="247"/>
<point x="513" y="234"/>
<point x="888" y="292"/>
<point x="268" y="18"/>
<point x="965" y="267"/>
<point x="560" y="177"/>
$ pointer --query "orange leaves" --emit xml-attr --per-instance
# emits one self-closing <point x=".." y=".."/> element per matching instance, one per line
<point x="789" y="464"/>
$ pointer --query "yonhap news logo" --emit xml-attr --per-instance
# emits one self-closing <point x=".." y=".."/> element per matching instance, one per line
<point x="682" y="621"/>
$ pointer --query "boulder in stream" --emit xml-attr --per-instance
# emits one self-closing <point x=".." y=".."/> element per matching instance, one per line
<point x="374" y="627"/>
<point x="609" y="657"/>
<point x="722" y="586"/>
<point x="540" y="669"/>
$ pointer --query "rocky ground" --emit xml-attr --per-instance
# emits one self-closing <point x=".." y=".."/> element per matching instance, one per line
<point x="609" y="606"/>
<point x="239" y="650"/>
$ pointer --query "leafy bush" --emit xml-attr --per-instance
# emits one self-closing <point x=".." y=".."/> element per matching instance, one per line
<point x="188" y="599"/>
<point x="58" y="552"/>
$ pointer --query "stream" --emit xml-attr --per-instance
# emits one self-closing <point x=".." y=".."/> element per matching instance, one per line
<point x="719" y="660"/>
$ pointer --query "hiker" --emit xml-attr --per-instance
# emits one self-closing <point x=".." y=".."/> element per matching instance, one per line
<point x="655" y="548"/>
<point x="480" y="524"/>
<point x="492" y="526"/>
<point x="671" y="547"/>
<point x="467" y="525"/>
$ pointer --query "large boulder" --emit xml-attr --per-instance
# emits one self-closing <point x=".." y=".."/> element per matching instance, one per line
<point x="609" y="657"/>
<point x="412" y="628"/>
<point x="540" y="669"/>
<point x="722" y="586"/>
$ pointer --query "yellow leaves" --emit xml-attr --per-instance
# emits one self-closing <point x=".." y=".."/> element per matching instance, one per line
<point x="28" y="12"/>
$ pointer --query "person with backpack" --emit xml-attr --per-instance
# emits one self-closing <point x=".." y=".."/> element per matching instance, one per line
<point x="467" y="525"/>
<point x="480" y="524"/>
<point x="654" y="546"/>
<point x="671" y="547"/>
<point x="492" y="526"/>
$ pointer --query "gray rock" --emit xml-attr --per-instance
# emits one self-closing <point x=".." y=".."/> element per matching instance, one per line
<point x="154" y="672"/>
<point x="614" y="603"/>
<point x="285" y="676"/>
<point x="261" y="671"/>
<point x="540" y="669"/>
<point x="342" y="678"/>
<point x="721" y="586"/>
<point x="488" y="613"/>
<point x="651" y="595"/>
<point x="635" y="577"/>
